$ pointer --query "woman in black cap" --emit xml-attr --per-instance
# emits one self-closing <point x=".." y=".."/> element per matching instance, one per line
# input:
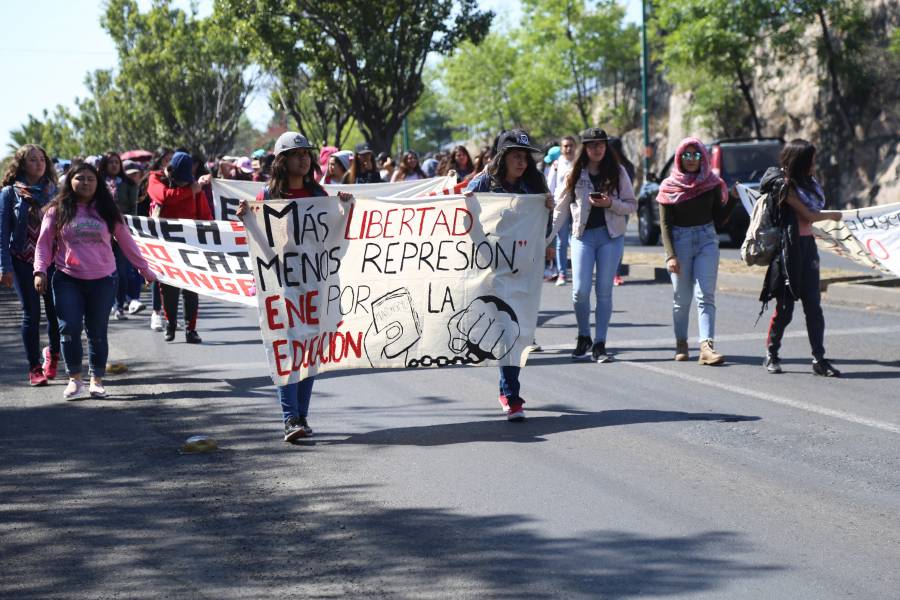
<point x="512" y="171"/>
<point x="362" y="167"/>
<point x="598" y="196"/>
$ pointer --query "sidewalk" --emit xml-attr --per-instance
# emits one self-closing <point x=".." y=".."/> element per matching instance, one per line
<point x="838" y="287"/>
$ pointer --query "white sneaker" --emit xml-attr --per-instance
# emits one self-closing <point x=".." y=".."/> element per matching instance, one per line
<point x="120" y="315"/>
<point x="135" y="306"/>
<point x="74" y="390"/>
<point x="561" y="279"/>
<point x="156" y="322"/>
<point x="97" y="390"/>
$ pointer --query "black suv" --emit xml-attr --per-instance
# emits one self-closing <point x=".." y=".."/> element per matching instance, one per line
<point x="741" y="160"/>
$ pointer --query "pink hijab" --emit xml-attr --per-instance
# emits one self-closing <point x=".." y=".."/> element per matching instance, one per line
<point x="681" y="185"/>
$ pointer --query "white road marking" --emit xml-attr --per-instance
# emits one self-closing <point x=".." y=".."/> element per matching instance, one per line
<point x="799" y="404"/>
<point x="734" y="337"/>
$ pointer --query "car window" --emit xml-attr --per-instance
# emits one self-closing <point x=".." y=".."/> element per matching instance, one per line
<point x="748" y="162"/>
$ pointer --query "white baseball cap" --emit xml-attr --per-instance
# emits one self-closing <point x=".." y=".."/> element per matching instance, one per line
<point x="291" y="140"/>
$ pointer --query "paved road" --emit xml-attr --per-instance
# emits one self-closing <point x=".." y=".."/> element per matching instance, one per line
<point x="642" y="478"/>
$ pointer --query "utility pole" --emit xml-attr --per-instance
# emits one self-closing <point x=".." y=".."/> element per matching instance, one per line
<point x="645" y="68"/>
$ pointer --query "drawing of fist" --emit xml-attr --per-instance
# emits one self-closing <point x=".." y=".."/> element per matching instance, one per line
<point x="486" y="329"/>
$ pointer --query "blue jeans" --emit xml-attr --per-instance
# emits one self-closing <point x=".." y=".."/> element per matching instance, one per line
<point x="23" y="280"/>
<point x="697" y="249"/>
<point x="295" y="398"/>
<point x="595" y="249"/>
<point x="87" y="302"/>
<point x="135" y="283"/>
<point x="562" y="246"/>
<point x="509" y="381"/>
<point x="156" y="296"/>
<point x="123" y="268"/>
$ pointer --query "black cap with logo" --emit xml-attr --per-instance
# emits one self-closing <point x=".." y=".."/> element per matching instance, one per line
<point x="593" y="134"/>
<point x="515" y="139"/>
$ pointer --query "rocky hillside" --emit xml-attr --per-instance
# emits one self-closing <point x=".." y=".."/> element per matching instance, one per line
<point x="859" y="148"/>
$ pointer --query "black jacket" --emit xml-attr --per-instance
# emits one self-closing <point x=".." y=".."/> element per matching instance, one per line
<point x="784" y="267"/>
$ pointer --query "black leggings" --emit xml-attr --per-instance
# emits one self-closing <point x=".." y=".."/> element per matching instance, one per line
<point x="170" y="305"/>
<point x="810" y="295"/>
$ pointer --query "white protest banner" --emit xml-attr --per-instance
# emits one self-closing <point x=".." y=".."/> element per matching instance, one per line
<point x="227" y="193"/>
<point x="207" y="257"/>
<point x="868" y="236"/>
<point x="386" y="284"/>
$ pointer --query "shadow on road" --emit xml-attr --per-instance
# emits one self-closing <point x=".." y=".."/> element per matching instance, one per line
<point x="107" y="508"/>
<point x="533" y="430"/>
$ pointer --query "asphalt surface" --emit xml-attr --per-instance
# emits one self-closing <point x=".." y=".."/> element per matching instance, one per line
<point x="641" y="478"/>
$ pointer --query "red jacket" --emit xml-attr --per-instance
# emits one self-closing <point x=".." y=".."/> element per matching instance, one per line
<point x="177" y="202"/>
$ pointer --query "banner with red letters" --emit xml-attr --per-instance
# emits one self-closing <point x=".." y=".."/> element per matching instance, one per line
<point x="228" y="193"/>
<point x="368" y="283"/>
<point x="207" y="257"/>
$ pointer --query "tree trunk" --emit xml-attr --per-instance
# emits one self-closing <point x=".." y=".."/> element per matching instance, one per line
<point x="831" y="58"/>
<point x="581" y="99"/>
<point x="748" y="98"/>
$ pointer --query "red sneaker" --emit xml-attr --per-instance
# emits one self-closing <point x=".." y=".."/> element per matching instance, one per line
<point x="36" y="377"/>
<point x="516" y="411"/>
<point x="617" y="280"/>
<point x="51" y="363"/>
<point x="504" y="403"/>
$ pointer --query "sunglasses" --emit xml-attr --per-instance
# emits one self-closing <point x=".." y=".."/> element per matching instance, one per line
<point x="691" y="155"/>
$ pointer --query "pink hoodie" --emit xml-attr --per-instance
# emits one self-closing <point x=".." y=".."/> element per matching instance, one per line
<point x="82" y="249"/>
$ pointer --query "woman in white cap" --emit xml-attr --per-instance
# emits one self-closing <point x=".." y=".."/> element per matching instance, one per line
<point x="338" y="165"/>
<point x="293" y="177"/>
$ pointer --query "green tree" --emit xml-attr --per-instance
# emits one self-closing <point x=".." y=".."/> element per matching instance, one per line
<point x="595" y="55"/>
<point x="713" y="44"/>
<point x="53" y="132"/>
<point x="477" y="79"/>
<point x="109" y="119"/>
<point x="308" y="84"/>
<point x="246" y="138"/>
<point x="378" y="53"/>
<point x="183" y="73"/>
<point x="430" y="124"/>
<point x="568" y="65"/>
<point x="844" y="39"/>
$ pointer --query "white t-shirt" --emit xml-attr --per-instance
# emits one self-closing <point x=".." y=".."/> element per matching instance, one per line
<point x="557" y="175"/>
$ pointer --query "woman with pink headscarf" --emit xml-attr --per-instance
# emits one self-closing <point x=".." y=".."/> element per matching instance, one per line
<point x="691" y="199"/>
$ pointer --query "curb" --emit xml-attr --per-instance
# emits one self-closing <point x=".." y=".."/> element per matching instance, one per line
<point x="877" y="292"/>
<point x="865" y="290"/>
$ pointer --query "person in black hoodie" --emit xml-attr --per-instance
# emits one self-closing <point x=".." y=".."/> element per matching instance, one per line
<point x="794" y="273"/>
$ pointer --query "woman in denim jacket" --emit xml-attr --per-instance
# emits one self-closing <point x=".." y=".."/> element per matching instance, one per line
<point x="28" y="186"/>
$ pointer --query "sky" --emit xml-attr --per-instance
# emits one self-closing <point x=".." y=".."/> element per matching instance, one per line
<point x="48" y="46"/>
